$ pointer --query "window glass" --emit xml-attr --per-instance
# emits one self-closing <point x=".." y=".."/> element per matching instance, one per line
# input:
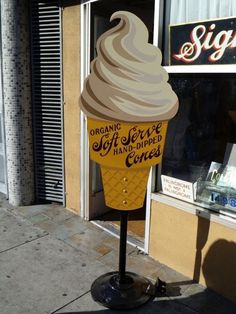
<point x="188" y="11"/>
<point x="199" y="135"/>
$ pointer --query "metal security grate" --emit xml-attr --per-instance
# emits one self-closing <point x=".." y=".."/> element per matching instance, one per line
<point x="47" y="99"/>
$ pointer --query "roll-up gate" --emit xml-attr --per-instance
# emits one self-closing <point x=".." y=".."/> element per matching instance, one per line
<point x="47" y="99"/>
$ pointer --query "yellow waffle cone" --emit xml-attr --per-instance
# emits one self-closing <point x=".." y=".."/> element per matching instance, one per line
<point x="126" y="151"/>
<point x="124" y="190"/>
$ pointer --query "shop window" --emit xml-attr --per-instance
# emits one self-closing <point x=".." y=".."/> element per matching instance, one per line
<point x="201" y="140"/>
<point x="199" y="162"/>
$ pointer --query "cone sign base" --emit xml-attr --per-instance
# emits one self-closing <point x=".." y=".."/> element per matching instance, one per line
<point x="133" y="292"/>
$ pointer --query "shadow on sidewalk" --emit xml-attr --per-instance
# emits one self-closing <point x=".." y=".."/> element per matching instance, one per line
<point x="204" y="302"/>
<point x="189" y="305"/>
<point x="194" y="299"/>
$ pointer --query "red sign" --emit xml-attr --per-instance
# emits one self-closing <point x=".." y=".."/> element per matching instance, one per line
<point x="210" y="42"/>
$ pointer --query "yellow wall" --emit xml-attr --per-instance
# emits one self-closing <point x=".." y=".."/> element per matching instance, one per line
<point x="194" y="246"/>
<point x="71" y="74"/>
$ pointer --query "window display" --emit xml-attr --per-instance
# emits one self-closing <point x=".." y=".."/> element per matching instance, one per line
<point x="218" y="189"/>
<point x="201" y="139"/>
<point x="200" y="132"/>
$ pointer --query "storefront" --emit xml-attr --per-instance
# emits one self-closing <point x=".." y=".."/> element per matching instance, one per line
<point x="189" y="218"/>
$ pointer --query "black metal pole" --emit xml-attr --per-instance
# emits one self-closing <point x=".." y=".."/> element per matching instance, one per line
<point x="122" y="290"/>
<point x="123" y="240"/>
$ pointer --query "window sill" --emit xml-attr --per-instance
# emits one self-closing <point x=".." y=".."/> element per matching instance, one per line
<point x="212" y="68"/>
<point x="195" y="210"/>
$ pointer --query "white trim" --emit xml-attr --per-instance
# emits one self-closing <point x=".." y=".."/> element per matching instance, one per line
<point x="195" y="210"/>
<point x="89" y="1"/>
<point x="130" y="242"/>
<point x="84" y="151"/>
<point x="156" y="22"/>
<point x="148" y="212"/>
<point x="105" y="229"/>
<point x="151" y="175"/>
<point x="214" y="68"/>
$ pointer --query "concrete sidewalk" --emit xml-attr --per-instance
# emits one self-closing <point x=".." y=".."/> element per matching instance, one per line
<point x="49" y="258"/>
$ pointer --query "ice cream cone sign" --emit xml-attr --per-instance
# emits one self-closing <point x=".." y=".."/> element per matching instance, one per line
<point x="128" y="102"/>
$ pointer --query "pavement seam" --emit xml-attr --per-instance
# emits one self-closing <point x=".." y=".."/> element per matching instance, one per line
<point x="62" y="307"/>
<point x="26" y="242"/>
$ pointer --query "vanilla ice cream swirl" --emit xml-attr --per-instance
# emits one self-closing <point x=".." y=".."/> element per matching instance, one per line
<point x="127" y="82"/>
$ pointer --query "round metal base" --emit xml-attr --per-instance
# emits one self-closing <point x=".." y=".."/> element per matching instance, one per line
<point x="134" y="292"/>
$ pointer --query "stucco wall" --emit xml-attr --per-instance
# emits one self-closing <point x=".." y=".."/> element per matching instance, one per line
<point x="194" y="246"/>
<point x="71" y="74"/>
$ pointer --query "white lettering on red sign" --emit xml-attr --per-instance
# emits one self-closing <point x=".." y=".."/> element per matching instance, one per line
<point x="202" y="40"/>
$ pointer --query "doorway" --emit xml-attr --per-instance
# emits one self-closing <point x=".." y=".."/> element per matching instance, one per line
<point x="100" y="13"/>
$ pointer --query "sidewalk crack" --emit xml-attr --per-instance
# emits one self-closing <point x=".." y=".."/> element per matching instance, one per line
<point x="26" y="242"/>
<point x="65" y="305"/>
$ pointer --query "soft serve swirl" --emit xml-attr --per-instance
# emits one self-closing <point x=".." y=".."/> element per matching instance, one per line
<point x="127" y="82"/>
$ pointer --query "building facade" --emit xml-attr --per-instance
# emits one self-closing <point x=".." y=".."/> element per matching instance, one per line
<point x="189" y="218"/>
